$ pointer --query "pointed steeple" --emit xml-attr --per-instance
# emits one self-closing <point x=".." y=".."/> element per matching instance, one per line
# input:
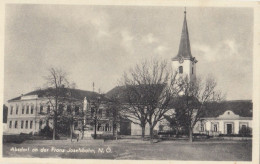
<point x="184" y="47"/>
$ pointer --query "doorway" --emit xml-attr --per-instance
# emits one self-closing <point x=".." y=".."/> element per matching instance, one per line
<point x="229" y="128"/>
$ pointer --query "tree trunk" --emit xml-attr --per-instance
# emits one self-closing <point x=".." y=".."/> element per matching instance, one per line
<point x="190" y="135"/>
<point x="95" y="129"/>
<point x="143" y="132"/>
<point x="82" y="129"/>
<point x="151" y="134"/>
<point x="113" y="128"/>
<point x="54" y="125"/>
<point x="116" y="133"/>
<point x="71" y="132"/>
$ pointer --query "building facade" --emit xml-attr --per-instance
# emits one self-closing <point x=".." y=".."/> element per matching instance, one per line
<point x="30" y="113"/>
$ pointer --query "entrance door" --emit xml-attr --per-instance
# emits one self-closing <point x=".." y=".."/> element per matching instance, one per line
<point x="229" y="128"/>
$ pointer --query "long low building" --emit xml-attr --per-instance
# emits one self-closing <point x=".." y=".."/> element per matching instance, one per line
<point x="228" y="118"/>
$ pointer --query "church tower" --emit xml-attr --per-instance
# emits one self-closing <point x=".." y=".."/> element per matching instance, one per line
<point x="184" y="63"/>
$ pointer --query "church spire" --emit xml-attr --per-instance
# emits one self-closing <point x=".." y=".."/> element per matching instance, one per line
<point x="184" y="47"/>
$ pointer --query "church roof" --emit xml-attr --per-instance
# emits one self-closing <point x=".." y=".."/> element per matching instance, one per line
<point x="122" y="93"/>
<point x="184" y="47"/>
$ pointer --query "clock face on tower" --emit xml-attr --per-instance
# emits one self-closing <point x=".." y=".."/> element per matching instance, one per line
<point x="181" y="60"/>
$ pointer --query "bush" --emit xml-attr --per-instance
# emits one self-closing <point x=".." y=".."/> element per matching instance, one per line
<point x="47" y="132"/>
<point x="201" y="136"/>
<point x="245" y="132"/>
<point x="104" y="136"/>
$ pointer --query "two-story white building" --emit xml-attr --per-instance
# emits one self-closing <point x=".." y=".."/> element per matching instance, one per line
<point x="28" y="113"/>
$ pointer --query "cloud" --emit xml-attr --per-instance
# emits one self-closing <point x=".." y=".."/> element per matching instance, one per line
<point x="223" y="50"/>
<point x="149" y="38"/>
<point x="127" y="40"/>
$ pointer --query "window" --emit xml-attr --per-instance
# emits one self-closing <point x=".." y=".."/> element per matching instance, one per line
<point x="215" y="128"/>
<point x="60" y="108"/>
<point x="100" y="112"/>
<point x="69" y="109"/>
<point x="41" y="108"/>
<point x="202" y="127"/>
<point x="180" y="69"/>
<point x="31" y="124"/>
<point x="10" y="124"/>
<point x="48" y="109"/>
<point x="76" y="110"/>
<point x="92" y="112"/>
<point x="22" y="109"/>
<point x="17" y="109"/>
<point x="107" y="127"/>
<point x="107" y="113"/>
<point x="99" y="127"/>
<point x="40" y="124"/>
<point x="32" y="108"/>
<point x="21" y="124"/>
<point x="11" y="112"/>
<point x="26" y="124"/>
<point x="76" y="125"/>
<point x="27" y="109"/>
<point x="192" y="70"/>
<point x="15" y="124"/>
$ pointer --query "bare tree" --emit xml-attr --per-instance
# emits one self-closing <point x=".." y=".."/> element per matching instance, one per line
<point x="150" y="88"/>
<point x="190" y="105"/>
<point x="58" y="94"/>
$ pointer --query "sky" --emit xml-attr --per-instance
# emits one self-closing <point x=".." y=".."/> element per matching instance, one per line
<point x="98" y="43"/>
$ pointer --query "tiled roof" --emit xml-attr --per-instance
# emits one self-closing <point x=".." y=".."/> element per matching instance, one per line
<point x="243" y="108"/>
<point x="121" y="92"/>
<point x="75" y="93"/>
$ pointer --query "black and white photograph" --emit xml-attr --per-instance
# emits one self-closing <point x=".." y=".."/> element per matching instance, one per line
<point x="128" y="82"/>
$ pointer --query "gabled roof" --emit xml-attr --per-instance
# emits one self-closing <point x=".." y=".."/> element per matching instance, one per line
<point x="184" y="47"/>
<point x="243" y="108"/>
<point x="74" y="93"/>
<point x="122" y="92"/>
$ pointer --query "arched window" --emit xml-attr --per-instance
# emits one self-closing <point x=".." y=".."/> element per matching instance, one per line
<point x="31" y="124"/>
<point x="22" y="109"/>
<point x="48" y="109"/>
<point x="76" y="110"/>
<point x="202" y="127"/>
<point x="40" y="124"/>
<point x="100" y="112"/>
<point x="26" y="124"/>
<point x="92" y="112"/>
<point x="107" y="127"/>
<point x="11" y="112"/>
<point x="215" y="127"/>
<point x="107" y="113"/>
<point x="32" y="108"/>
<point x="180" y="69"/>
<point x="41" y="108"/>
<point x="192" y="70"/>
<point x="69" y="109"/>
<point x="21" y="124"/>
<point x="27" y="109"/>
<point x="15" y="124"/>
<point x="17" y="107"/>
<point x="10" y="124"/>
<point x="99" y="126"/>
<point x="60" y="108"/>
